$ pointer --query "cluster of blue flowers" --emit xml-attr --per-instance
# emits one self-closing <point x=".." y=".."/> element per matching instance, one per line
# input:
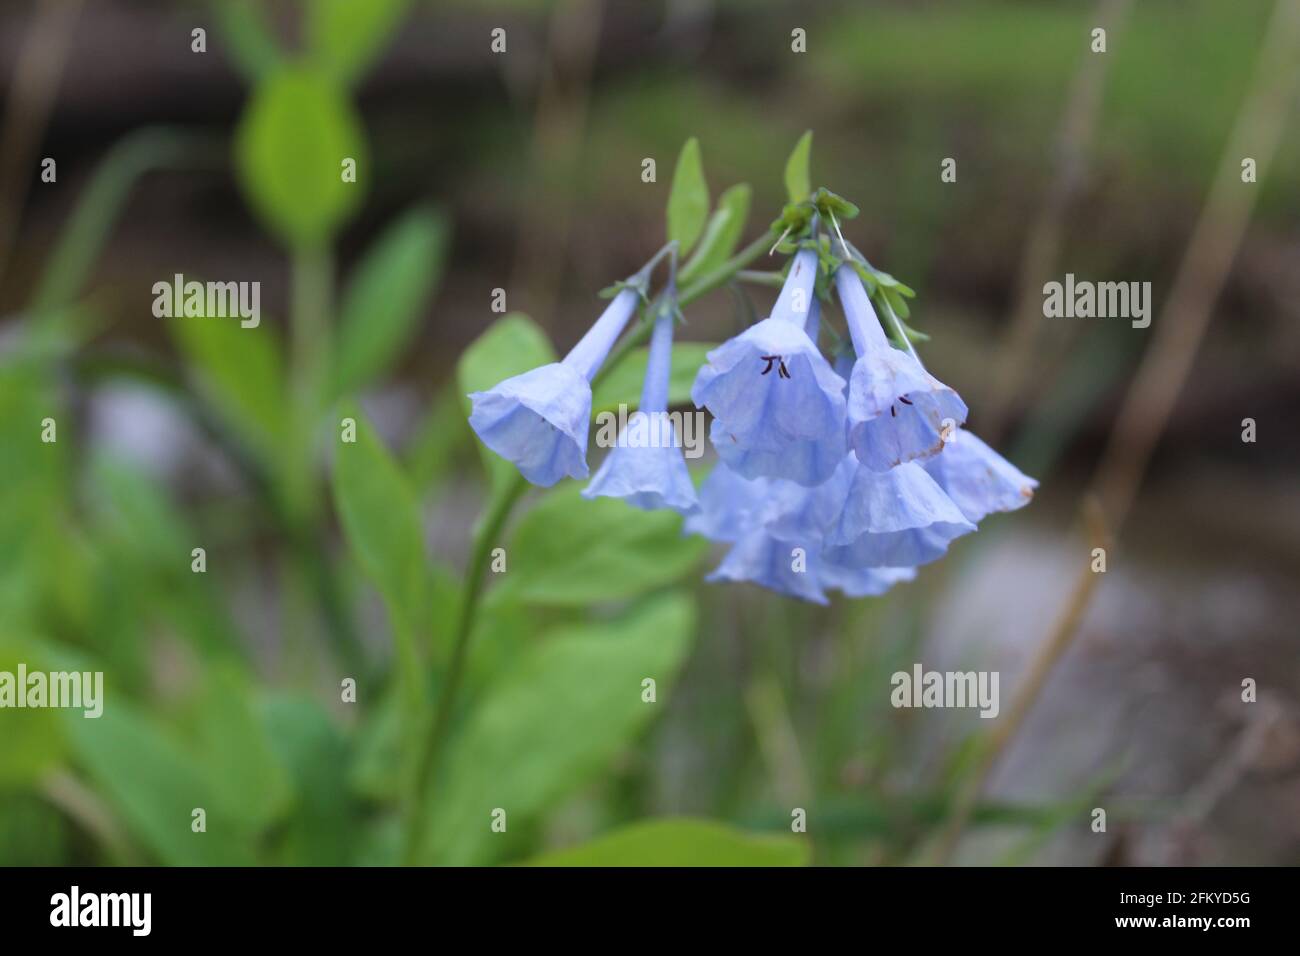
<point x="831" y="478"/>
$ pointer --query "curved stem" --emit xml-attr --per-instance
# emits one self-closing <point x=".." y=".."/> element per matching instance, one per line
<point x="488" y="532"/>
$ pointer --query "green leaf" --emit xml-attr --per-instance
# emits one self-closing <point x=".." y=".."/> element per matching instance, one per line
<point x="155" y="784"/>
<point x="570" y="551"/>
<point x="33" y="737"/>
<point x="381" y="306"/>
<point x="688" y="203"/>
<point x="798" y="179"/>
<point x="248" y="780"/>
<point x="381" y="521"/>
<point x="567" y="706"/>
<point x="722" y="234"/>
<point x="240" y="372"/>
<point x="513" y="345"/>
<point x="289" y="151"/>
<point x="319" y="830"/>
<point x="345" y="36"/>
<point x="681" y="842"/>
<point x="623" y="384"/>
<point x="249" y="42"/>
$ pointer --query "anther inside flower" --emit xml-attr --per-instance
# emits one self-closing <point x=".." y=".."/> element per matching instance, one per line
<point x="788" y="425"/>
<point x="885" y="378"/>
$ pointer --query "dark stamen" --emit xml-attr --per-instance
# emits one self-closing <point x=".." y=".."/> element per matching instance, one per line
<point x="893" y="412"/>
<point x="903" y="399"/>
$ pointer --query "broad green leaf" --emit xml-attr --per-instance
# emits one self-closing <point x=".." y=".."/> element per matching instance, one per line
<point x="248" y="40"/>
<point x="289" y="151"/>
<point x="346" y="35"/>
<point x="320" y="827"/>
<point x="722" y="234"/>
<point x="248" y="779"/>
<point x="798" y="179"/>
<point x="381" y="521"/>
<point x="570" y="551"/>
<point x="681" y="842"/>
<point x="240" y="372"/>
<point x="33" y="738"/>
<point x="382" y="304"/>
<point x="513" y="345"/>
<point x="154" y="783"/>
<point x="565" y="708"/>
<point x="688" y="203"/>
<point x="623" y="384"/>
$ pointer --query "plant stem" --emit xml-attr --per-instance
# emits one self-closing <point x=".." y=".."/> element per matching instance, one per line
<point x="486" y="536"/>
<point x="431" y="750"/>
<point x="309" y="358"/>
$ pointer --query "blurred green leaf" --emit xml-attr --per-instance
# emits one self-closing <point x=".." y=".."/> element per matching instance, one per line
<point x="240" y="372"/>
<point x="798" y="178"/>
<point x="289" y="149"/>
<point x="688" y="202"/>
<point x="570" y="551"/>
<point x="97" y="208"/>
<point x="681" y="842"/>
<point x="33" y="740"/>
<point x="236" y="750"/>
<point x="381" y="305"/>
<point x="381" y="521"/>
<point x="513" y="345"/>
<point x="320" y="827"/>
<point x="554" y="719"/>
<point x="248" y="41"/>
<point x="722" y="234"/>
<point x="346" y="35"/>
<point x="624" y="381"/>
<point x="155" y="784"/>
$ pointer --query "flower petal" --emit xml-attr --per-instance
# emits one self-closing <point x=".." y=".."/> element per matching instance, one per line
<point x="895" y="518"/>
<point x="538" y="421"/>
<point x="978" y="479"/>
<point x="778" y="407"/>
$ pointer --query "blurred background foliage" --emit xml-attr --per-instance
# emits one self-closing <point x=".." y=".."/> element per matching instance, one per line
<point x="329" y="561"/>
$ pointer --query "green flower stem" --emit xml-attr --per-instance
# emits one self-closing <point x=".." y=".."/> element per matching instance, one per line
<point x="309" y="357"/>
<point x="309" y="365"/>
<point x="485" y="539"/>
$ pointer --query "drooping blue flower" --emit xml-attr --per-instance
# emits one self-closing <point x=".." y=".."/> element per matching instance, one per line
<point x="896" y="518"/>
<point x="977" y="479"/>
<point x="646" y="468"/>
<point x="778" y="408"/>
<point x="539" y="420"/>
<point x="897" y="411"/>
